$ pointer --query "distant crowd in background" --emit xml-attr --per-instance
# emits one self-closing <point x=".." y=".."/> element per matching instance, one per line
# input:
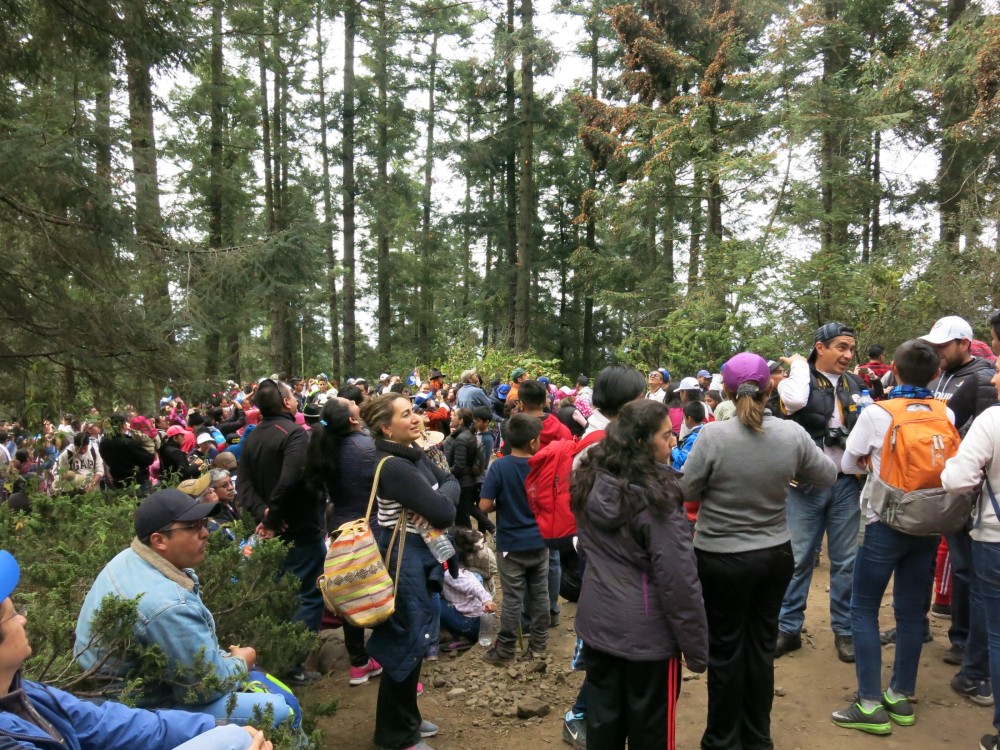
<point x="685" y="515"/>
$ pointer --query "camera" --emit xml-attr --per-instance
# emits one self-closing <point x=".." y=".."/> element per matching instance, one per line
<point x="836" y="437"/>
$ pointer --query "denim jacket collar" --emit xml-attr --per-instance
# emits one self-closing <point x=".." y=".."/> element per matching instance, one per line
<point x="184" y="578"/>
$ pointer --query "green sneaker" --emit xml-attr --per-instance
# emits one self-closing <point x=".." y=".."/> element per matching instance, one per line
<point x="854" y="716"/>
<point x="900" y="712"/>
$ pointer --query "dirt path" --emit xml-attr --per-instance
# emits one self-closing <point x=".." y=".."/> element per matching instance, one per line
<point x="809" y="684"/>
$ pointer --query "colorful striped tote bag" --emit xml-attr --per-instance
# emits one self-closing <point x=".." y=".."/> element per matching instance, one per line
<point x="355" y="583"/>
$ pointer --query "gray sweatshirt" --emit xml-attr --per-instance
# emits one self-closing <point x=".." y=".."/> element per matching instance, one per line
<point x="741" y="478"/>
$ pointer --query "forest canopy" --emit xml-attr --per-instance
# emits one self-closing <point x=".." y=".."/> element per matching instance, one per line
<point x="192" y="192"/>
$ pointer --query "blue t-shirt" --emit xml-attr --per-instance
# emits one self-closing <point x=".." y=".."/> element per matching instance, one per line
<point x="517" y="530"/>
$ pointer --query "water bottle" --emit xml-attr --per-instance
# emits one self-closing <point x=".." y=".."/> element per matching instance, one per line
<point x="437" y="542"/>
<point x="864" y="401"/>
<point x="487" y="627"/>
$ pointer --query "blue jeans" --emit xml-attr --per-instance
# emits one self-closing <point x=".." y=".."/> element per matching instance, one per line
<point x="909" y="561"/>
<point x="986" y="596"/>
<point x="243" y="711"/>
<point x="960" y="549"/>
<point x="305" y="562"/>
<point x="811" y="511"/>
<point x="228" y="737"/>
<point x="458" y="624"/>
<point x="435" y="632"/>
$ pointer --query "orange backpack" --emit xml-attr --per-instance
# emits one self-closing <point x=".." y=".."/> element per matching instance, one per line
<point x="917" y="444"/>
<point x="907" y="495"/>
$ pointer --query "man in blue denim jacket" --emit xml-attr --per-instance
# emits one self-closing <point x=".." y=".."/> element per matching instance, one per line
<point x="171" y="535"/>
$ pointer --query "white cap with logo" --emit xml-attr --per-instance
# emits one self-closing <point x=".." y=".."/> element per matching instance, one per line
<point x="949" y="328"/>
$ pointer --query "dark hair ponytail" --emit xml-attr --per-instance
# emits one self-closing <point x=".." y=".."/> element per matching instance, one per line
<point x="323" y="454"/>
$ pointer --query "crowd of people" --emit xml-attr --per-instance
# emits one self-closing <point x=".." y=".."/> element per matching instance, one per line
<point x="695" y="511"/>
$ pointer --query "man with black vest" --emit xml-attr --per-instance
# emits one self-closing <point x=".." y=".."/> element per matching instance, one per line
<point x="821" y="395"/>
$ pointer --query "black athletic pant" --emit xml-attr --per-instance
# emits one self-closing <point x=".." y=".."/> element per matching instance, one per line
<point x="397" y="717"/>
<point x="631" y="700"/>
<point x="743" y="593"/>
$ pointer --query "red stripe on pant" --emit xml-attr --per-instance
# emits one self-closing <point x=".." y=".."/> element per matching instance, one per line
<point x="942" y="575"/>
<point x="673" y="691"/>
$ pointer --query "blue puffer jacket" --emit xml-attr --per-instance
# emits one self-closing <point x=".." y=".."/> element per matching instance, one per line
<point x="34" y="716"/>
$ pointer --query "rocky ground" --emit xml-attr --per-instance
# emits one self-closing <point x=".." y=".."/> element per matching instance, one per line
<point x="521" y="707"/>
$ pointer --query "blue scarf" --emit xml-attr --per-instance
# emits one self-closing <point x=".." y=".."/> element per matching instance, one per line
<point x="909" y="391"/>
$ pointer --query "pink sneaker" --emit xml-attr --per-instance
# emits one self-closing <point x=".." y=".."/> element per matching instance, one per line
<point x="420" y="688"/>
<point x="360" y="675"/>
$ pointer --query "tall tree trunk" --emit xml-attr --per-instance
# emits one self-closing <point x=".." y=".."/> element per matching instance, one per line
<point x="213" y="340"/>
<point x="587" y="348"/>
<point x="148" y="215"/>
<point x="331" y="256"/>
<point x="350" y="327"/>
<point x="510" y="182"/>
<point x="382" y="179"/>
<point x="953" y="182"/>
<point x="427" y="237"/>
<point x="694" y="245"/>
<point x="526" y="186"/>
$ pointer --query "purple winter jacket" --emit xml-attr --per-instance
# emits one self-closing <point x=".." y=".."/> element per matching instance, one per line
<point x="640" y="599"/>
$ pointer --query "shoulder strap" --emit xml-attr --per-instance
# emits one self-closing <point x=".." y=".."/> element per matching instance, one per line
<point x="371" y="498"/>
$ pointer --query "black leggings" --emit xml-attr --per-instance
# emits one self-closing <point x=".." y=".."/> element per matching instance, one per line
<point x="468" y="508"/>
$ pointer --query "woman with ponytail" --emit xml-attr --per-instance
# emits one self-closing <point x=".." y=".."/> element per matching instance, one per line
<point x="740" y="469"/>
<point x="341" y="464"/>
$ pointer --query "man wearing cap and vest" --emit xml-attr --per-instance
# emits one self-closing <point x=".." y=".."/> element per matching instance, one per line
<point x="821" y="395"/>
<point x="171" y="534"/>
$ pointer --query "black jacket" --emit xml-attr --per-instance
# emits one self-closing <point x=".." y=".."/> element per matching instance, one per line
<point x="967" y="389"/>
<point x="271" y="483"/>
<point x="641" y="599"/>
<point x="462" y="452"/>
<point x="175" y="461"/>
<point x="126" y="459"/>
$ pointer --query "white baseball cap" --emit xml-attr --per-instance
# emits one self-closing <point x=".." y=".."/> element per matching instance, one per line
<point x="689" y="384"/>
<point x="205" y="438"/>
<point x="949" y="328"/>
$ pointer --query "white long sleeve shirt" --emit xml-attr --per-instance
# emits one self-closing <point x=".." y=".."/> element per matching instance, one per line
<point x="979" y="450"/>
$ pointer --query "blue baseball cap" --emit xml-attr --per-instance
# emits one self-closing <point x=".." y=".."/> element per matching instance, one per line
<point x="10" y="574"/>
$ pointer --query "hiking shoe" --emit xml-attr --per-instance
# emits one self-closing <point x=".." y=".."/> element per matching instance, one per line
<point x="941" y="611"/>
<point x="889" y="636"/>
<point x="575" y="730"/>
<point x="428" y="729"/>
<point x="787" y="642"/>
<point x="494" y="657"/>
<point x="854" y="716"/>
<point x="989" y="742"/>
<point x="954" y="655"/>
<point x="845" y="648"/>
<point x="979" y="692"/>
<point x="419" y="746"/>
<point x="901" y="711"/>
<point x="553" y="619"/>
<point x="302" y="677"/>
<point x="433" y="653"/>
<point x="360" y="675"/>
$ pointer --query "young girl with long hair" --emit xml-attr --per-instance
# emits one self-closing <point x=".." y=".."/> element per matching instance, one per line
<point x="640" y="605"/>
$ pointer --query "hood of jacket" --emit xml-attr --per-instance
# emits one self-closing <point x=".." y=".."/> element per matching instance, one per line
<point x="604" y="508"/>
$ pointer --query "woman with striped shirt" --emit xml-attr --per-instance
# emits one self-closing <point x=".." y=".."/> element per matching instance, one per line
<point x="409" y="484"/>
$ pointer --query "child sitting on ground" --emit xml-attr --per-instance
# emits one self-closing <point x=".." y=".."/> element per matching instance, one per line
<point x="466" y="598"/>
